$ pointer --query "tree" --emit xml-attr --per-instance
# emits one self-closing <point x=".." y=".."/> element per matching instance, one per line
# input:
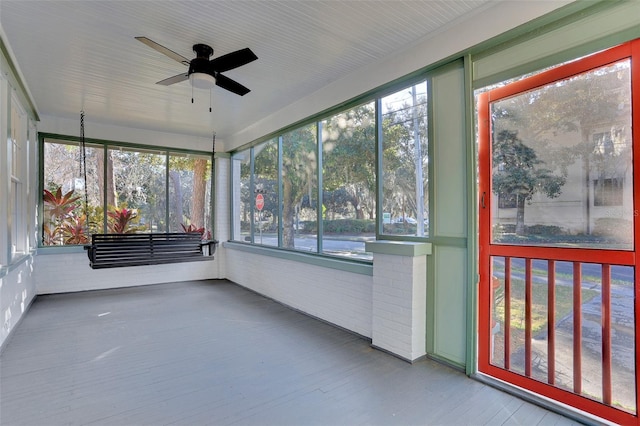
<point x="266" y="181"/>
<point x="298" y="176"/>
<point x="199" y="192"/>
<point x="560" y="121"/>
<point x="405" y="140"/>
<point x="518" y="172"/>
<point x="349" y="148"/>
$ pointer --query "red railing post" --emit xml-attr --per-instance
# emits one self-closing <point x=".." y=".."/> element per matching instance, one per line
<point x="528" y="300"/>
<point x="551" y="322"/>
<point x="577" y="327"/>
<point x="606" y="334"/>
<point x="507" y="312"/>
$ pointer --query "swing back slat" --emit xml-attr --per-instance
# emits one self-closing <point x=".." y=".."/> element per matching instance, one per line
<point x="119" y="250"/>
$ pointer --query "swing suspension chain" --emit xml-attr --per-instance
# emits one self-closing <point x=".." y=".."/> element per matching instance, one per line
<point x="83" y="168"/>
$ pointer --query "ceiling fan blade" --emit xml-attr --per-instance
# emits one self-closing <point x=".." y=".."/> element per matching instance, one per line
<point x="231" y="85"/>
<point x="232" y="60"/>
<point x="160" y="48"/>
<point x="175" y="79"/>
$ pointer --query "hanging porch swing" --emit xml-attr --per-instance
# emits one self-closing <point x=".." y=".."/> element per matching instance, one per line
<point x="113" y="250"/>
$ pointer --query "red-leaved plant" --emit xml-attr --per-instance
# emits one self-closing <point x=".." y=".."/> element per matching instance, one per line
<point x="206" y="235"/>
<point x="59" y="205"/>
<point x="74" y="230"/>
<point x="121" y="219"/>
<point x="61" y="225"/>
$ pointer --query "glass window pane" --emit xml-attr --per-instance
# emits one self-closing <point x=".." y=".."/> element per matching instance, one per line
<point x="265" y="157"/>
<point x="136" y="193"/>
<point x="190" y="193"/>
<point x="405" y="198"/>
<point x="299" y="189"/>
<point x="349" y="181"/>
<point x="65" y="220"/>
<point x="562" y="169"/>
<point x="241" y="195"/>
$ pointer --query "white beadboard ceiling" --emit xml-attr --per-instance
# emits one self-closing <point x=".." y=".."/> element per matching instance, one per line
<point x="82" y="55"/>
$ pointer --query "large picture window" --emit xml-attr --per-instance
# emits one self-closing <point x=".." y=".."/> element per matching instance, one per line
<point x="349" y="180"/>
<point x="295" y="212"/>
<point x="127" y="190"/>
<point x="318" y="183"/>
<point x="405" y="162"/>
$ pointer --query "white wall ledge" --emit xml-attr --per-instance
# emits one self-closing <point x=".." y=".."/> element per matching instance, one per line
<point x="398" y="248"/>
<point x="358" y="267"/>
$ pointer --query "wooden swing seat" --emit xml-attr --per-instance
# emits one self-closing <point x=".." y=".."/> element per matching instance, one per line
<point x="119" y="250"/>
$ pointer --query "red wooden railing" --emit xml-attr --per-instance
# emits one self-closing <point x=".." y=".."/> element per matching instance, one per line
<point x="576" y="284"/>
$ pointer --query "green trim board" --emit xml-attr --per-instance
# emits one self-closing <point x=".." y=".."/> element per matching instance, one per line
<point x="472" y="224"/>
<point x="450" y="210"/>
<point x="311" y="259"/>
<point x="68" y="138"/>
<point x="565" y="40"/>
<point x="48" y="250"/>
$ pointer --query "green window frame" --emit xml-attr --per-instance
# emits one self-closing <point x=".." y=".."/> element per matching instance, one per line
<point x="129" y="188"/>
<point x="322" y="180"/>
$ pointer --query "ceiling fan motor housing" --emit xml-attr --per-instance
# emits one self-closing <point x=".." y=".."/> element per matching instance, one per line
<point x="203" y="51"/>
<point x="199" y="65"/>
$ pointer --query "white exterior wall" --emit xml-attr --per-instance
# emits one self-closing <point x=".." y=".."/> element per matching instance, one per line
<point x="17" y="286"/>
<point x="222" y="207"/>
<point x="17" y="291"/>
<point x="339" y="297"/>
<point x="68" y="272"/>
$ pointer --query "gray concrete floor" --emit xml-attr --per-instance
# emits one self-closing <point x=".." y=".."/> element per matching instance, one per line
<point x="211" y="352"/>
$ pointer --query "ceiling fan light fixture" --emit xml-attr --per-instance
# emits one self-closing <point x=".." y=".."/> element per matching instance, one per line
<point x="201" y="80"/>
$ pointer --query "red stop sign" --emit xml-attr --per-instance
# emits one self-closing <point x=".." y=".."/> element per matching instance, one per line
<point x="259" y="202"/>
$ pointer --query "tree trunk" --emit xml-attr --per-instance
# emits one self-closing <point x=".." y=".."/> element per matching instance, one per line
<point x="520" y="216"/>
<point x="176" y="202"/>
<point x="288" y="211"/>
<point x="199" y="192"/>
<point x="111" y="188"/>
<point x="112" y="196"/>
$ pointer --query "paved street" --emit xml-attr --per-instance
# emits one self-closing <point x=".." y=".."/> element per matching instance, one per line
<point x="347" y="246"/>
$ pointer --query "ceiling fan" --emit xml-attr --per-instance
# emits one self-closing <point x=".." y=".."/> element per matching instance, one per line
<point x="204" y="73"/>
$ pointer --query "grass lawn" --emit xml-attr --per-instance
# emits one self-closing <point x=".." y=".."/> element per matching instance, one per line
<point x="563" y="305"/>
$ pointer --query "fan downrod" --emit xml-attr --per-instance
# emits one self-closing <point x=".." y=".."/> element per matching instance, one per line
<point x="202" y="50"/>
